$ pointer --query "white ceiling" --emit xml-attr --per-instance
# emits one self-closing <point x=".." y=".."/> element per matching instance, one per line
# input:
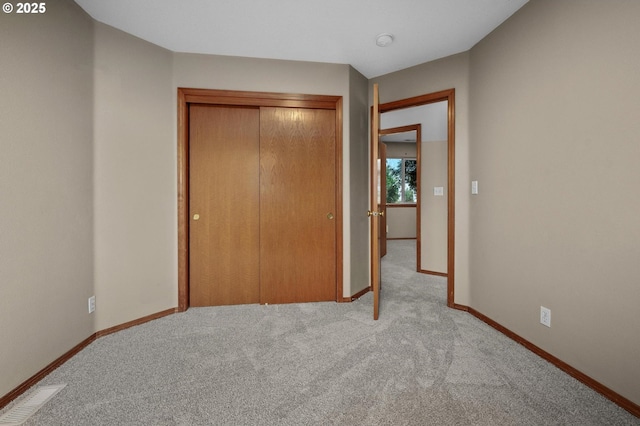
<point x="432" y="117"/>
<point x="333" y="31"/>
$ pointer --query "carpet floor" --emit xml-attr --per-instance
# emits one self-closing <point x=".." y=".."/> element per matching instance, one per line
<point x="421" y="363"/>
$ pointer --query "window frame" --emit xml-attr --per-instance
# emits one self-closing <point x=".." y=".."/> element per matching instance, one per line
<point x="403" y="182"/>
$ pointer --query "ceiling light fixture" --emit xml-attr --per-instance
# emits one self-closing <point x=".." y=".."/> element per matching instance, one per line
<point x="384" y="39"/>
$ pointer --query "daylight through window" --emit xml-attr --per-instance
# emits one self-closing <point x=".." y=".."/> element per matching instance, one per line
<point x="401" y="180"/>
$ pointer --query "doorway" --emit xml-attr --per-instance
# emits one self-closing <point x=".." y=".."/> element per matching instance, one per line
<point x="402" y="176"/>
<point x="281" y="202"/>
<point x="447" y="96"/>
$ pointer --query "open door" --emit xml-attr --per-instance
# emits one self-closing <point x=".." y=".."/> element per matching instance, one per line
<point x="375" y="200"/>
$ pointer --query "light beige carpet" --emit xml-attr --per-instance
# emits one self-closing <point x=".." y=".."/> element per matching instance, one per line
<point x="322" y="364"/>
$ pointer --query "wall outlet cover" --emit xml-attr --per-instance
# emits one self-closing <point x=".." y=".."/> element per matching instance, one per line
<point x="545" y="316"/>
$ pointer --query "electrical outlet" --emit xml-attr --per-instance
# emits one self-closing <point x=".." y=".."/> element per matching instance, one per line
<point x="92" y="304"/>
<point x="545" y="316"/>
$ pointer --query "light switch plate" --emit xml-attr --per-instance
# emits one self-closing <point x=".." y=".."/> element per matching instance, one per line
<point x="438" y="191"/>
<point x="474" y="187"/>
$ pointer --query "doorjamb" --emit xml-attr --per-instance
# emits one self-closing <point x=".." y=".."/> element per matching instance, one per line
<point x="449" y="96"/>
<point x="188" y="96"/>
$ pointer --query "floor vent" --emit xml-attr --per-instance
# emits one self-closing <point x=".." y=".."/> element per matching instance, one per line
<point x="29" y="405"/>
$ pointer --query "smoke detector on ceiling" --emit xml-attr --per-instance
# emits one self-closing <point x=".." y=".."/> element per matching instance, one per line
<point x="384" y="39"/>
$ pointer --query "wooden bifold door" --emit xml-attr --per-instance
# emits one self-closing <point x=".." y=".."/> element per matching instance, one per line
<point x="262" y="204"/>
<point x="224" y="205"/>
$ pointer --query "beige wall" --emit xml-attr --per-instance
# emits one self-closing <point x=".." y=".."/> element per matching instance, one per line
<point x="401" y="149"/>
<point x="266" y="75"/>
<point x="433" y="208"/>
<point x="555" y="101"/>
<point x="46" y="181"/>
<point x="401" y="222"/>
<point x="356" y="187"/>
<point x="135" y="179"/>
<point x="447" y="73"/>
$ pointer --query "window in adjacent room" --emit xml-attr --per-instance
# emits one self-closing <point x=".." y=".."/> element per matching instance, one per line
<point x="401" y="181"/>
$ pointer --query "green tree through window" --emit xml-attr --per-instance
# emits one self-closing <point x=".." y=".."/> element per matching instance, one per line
<point x="393" y="183"/>
<point x="401" y="180"/>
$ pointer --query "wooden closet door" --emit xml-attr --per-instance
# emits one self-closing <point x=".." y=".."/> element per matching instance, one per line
<point x="297" y="205"/>
<point x="224" y="188"/>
